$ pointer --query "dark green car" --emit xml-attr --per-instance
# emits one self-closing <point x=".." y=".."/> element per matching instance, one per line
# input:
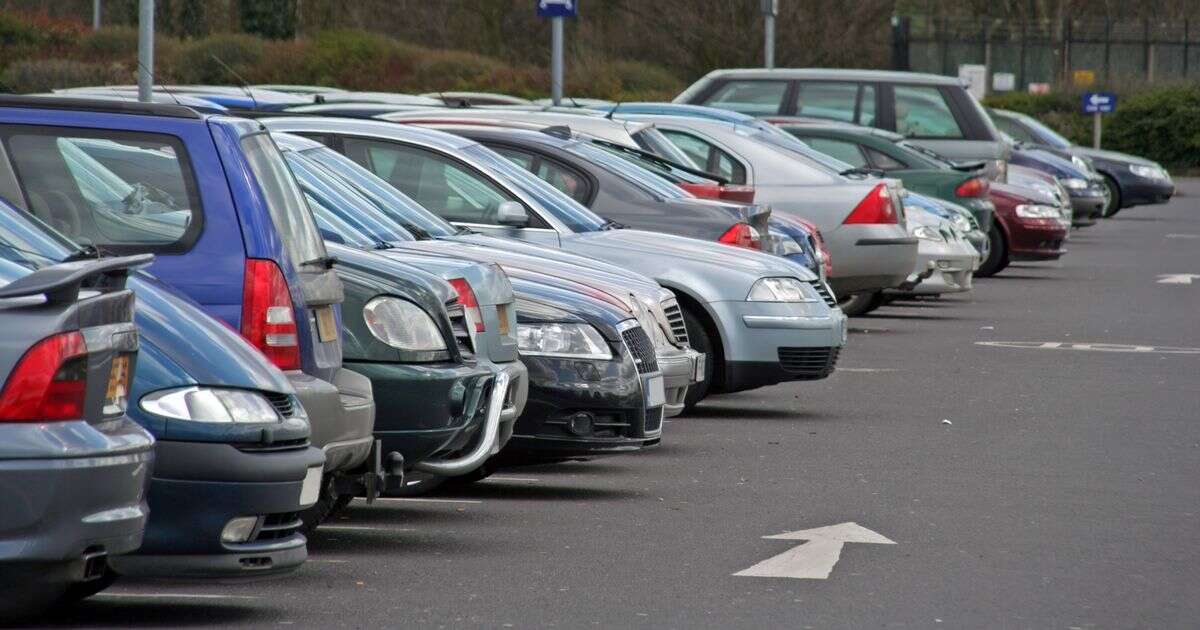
<point x="921" y="170"/>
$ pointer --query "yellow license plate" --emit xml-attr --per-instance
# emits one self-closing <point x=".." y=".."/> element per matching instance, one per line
<point x="118" y="385"/>
<point x="326" y="324"/>
<point x="502" y="313"/>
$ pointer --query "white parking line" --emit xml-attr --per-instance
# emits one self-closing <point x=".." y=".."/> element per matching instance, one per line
<point x="517" y="479"/>
<point x="173" y="596"/>
<point x="327" y="560"/>
<point x="415" y="500"/>
<point x="842" y="369"/>
<point x="364" y="528"/>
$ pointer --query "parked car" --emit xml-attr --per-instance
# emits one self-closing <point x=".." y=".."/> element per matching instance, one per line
<point x="946" y="261"/>
<point x="758" y="319"/>
<point x="860" y="217"/>
<point x="230" y="230"/>
<point x="1131" y="180"/>
<point x="932" y="110"/>
<point x="1087" y="193"/>
<point x="1032" y="227"/>
<point x="289" y="88"/>
<point x="476" y="98"/>
<point x="73" y="466"/>
<point x="233" y="466"/>
<point x="232" y="98"/>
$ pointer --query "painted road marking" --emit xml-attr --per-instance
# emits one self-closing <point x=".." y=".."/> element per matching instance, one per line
<point x="1177" y="278"/>
<point x="842" y="369"/>
<point x="1183" y="236"/>
<point x="173" y="596"/>
<point x="1088" y="347"/>
<point x="363" y="528"/>
<point x="815" y="559"/>
<point x="516" y="479"/>
<point x="416" y="500"/>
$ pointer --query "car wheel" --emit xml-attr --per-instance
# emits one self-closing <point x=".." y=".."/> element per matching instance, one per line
<point x="997" y="257"/>
<point x="84" y="590"/>
<point x="1114" y="197"/>
<point x="327" y="504"/>
<point x="700" y="342"/>
<point x="861" y="303"/>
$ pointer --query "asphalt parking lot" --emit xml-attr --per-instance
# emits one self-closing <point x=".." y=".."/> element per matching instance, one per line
<point x="1061" y="492"/>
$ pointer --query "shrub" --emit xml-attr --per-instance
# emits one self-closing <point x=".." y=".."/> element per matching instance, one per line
<point x="110" y="42"/>
<point x="194" y="62"/>
<point x="1162" y="124"/>
<point x="43" y="75"/>
<point x="358" y="60"/>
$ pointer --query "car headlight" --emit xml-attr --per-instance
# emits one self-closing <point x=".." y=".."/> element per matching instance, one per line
<point x="402" y="324"/>
<point x="1084" y="165"/>
<point x="1149" y="172"/>
<point x="928" y="233"/>
<point x="569" y="341"/>
<point x="1035" y="211"/>
<point x="961" y="223"/>
<point x="1074" y="183"/>
<point x="779" y="290"/>
<point x="211" y="404"/>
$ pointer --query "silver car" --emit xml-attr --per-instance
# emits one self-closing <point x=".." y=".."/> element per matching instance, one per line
<point x="758" y="318"/>
<point x="946" y="261"/>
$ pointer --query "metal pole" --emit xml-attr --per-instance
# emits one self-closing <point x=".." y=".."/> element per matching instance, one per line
<point x="556" y="60"/>
<point x="1096" y="130"/>
<point x="95" y="15"/>
<point x="768" y="41"/>
<point x="145" y="50"/>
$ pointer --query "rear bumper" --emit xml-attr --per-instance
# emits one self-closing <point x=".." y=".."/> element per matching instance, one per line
<point x="1138" y="191"/>
<point x="201" y="486"/>
<point x="341" y="414"/>
<point x="941" y="268"/>
<point x="870" y="257"/>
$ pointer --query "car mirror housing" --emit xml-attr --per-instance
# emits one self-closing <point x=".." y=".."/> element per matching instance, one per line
<point x="512" y="213"/>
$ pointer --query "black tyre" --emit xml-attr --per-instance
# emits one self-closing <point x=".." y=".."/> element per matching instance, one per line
<point x="1114" y="197"/>
<point x="84" y="590"/>
<point x="997" y="258"/>
<point x="327" y="504"/>
<point x="861" y="303"/>
<point x="700" y="342"/>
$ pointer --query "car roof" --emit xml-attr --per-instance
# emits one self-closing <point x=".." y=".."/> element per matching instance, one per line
<point x="106" y="105"/>
<point x="437" y="139"/>
<point x="835" y="125"/>
<point x="882" y="76"/>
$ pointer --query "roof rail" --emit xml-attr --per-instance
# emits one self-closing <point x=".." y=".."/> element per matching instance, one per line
<point x="98" y="105"/>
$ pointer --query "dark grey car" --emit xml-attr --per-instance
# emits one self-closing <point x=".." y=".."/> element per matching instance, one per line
<point x="73" y="466"/>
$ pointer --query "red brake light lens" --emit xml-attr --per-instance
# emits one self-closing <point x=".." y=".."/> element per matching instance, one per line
<point x="470" y="305"/>
<point x="267" y="315"/>
<point x="741" y="235"/>
<point x="49" y="382"/>
<point x="974" y="187"/>
<point x="703" y="191"/>
<point x="875" y="208"/>
<point x="742" y="194"/>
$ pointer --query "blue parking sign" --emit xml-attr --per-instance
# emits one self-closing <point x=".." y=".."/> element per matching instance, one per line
<point x="1099" y="102"/>
<point x="557" y="8"/>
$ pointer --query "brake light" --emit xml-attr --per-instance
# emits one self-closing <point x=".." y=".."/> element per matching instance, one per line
<point x="49" y="382"/>
<point x="742" y="194"/>
<point x="703" y="191"/>
<point x="974" y="187"/>
<point x="875" y="208"/>
<point x="741" y="235"/>
<point x="268" y="320"/>
<point x="470" y="305"/>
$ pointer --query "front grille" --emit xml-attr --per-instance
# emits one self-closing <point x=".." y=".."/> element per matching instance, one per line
<point x="641" y="348"/>
<point x="278" y="526"/>
<point x="675" y="319"/>
<point x="273" y="447"/>
<point x="282" y="403"/>
<point x="460" y="328"/>
<point x="823" y="290"/>
<point x="654" y="418"/>
<point x="808" y="364"/>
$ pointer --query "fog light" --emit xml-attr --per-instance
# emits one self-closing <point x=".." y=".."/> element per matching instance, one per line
<point x="580" y="423"/>
<point x="239" y="530"/>
<point x="944" y="264"/>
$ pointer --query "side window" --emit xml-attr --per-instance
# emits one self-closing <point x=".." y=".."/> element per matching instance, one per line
<point x="557" y="175"/>
<point x="710" y="157"/>
<point x="115" y="190"/>
<point x="883" y="161"/>
<point x="442" y="186"/>
<point x="286" y="205"/>
<point x="1014" y="129"/>
<point x="756" y="98"/>
<point x="847" y="152"/>
<point x="866" y="106"/>
<point x="922" y="112"/>
<point x="827" y="99"/>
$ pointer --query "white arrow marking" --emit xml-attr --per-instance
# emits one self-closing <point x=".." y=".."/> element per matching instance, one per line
<point x="1096" y="99"/>
<point x="1177" y="278"/>
<point x="815" y="559"/>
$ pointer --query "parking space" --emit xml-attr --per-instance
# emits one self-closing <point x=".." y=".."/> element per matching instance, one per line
<point x="1027" y="447"/>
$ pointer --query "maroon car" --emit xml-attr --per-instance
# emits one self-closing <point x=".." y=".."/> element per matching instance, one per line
<point x="1028" y="225"/>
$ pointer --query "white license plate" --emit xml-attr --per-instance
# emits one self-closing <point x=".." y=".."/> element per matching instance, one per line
<point x="698" y="369"/>
<point x="312" y="486"/>
<point x="655" y="395"/>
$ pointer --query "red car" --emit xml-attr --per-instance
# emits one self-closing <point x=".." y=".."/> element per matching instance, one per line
<point x="1027" y="226"/>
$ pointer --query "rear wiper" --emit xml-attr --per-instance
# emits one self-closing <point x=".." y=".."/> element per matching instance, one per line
<point x="325" y="262"/>
<point x="872" y="172"/>
<point x="462" y="231"/>
<point x="87" y="252"/>
<point x="609" y="224"/>
<point x="384" y="245"/>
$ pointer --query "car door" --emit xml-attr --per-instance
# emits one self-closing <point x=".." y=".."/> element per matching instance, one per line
<point x="446" y="187"/>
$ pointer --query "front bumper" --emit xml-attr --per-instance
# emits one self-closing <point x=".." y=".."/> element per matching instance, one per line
<point x="199" y="486"/>
<point x="1087" y="206"/>
<point x="942" y="267"/>
<point x="680" y="370"/>
<point x="1036" y="239"/>
<point x="870" y="257"/>
<point x="341" y="415"/>
<point x="1141" y="191"/>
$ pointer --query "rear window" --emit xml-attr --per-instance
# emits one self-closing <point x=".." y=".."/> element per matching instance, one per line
<point x="922" y="112"/>
<point x="827" y="99"/>
<point x="289" y="211"/>
<point x="756" y="98"/>
<point x="118" y="191"/>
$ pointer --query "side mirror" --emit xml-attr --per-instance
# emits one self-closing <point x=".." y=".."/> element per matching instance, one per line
<point x="512" y="214"/>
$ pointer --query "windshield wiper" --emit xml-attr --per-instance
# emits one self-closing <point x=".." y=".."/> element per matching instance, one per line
<point x="384" y="245"/>
<point x="86" y="252"/>
<point x="463" y="231"/>
<point x="326" y="262"/>
<point x="609" y="224"/>
<point x="861" y="171"/>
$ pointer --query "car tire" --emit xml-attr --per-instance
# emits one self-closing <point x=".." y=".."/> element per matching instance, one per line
<point x="327" y="505"/>
<point x="1114" y="197"/>
<point x="997" y="258"/>
<point x="699" y="340"/>
<point x="83" y="590"/>
<point x="861" y="303"/>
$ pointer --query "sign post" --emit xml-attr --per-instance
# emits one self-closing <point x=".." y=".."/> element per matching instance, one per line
<point x="770" y="9"/>
<point x="1097" y="104"/>
<point x="556" y="10"/>
<point x="145" y="73"/>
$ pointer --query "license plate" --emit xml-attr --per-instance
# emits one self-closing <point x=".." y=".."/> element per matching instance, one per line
<point x="326" y="324"/>
<point x="118" y="385"/>
<point x="698" y="370"/>
<point x="502" y="314"/>
<point x="312" y="486"/>
<point x="655" y="395"/>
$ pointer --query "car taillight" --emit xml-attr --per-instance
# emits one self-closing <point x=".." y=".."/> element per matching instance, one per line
<point x="741" y="235"/>
<point x="703" y="191"/>
<point x="875" y="208"/>
<point x="268" y="320"/>
<point x="466" y="297"/>
<point x="974" y="187"/>
<point x="741" y="194"/>
<point x="48" y="383"/>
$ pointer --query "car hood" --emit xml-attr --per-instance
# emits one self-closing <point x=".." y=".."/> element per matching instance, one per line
<point x="487" y="280"/>
<point x="1112" y="156"/>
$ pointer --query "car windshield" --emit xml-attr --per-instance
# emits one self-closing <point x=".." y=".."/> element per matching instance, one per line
<point x="26" y="241"/>
<point x="651" y="182"/>
<point x="565" y="209"/>
<point x="660" y="167"/>
<point x="792" y="145"/>
<point x="342" y="214"/>
<point x="653" y="141"/>
<point x="389" y="200"/>
<point x="285" y="204"/>
<point x="1048" y="135"/>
